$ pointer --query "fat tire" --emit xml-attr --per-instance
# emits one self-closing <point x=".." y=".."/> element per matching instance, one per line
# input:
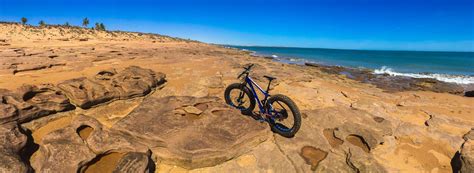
<point x="239" y="86"/>
<point x="294" y="110"/>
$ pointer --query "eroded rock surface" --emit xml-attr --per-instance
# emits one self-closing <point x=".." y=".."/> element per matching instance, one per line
<point x="12" y="141"/>
<point x="76" y="146"/>
<point x="30" y="102"/>
<point x="206" y="135"/>
<point x="467" y="153"/>
<point x="109" y="85"/>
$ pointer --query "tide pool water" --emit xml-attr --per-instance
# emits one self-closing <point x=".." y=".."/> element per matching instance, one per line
<point x="455" y="67"/>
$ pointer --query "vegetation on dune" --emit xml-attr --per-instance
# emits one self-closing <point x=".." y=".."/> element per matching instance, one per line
<point x="67" y="24"/>
<point x="100" y="26"/>
<point x="42" y="23"/>
<point x="24" y="20"/>
<point x="85" y="22"/>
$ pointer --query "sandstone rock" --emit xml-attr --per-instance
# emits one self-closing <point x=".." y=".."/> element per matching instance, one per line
<point x="346" y="135"/>
<point x="78" y="146"/>
<point x="12" y="141"/>
<point x="467" y="156"/>
<point x="62" y="151"/>
<point x="8" y="113"/>
<point x="109" y="85"/>
<point x="313" y="156"/>
<point x="133" y="162"/>
<point x="469" y="135"/>
<point x="218" y="134"/>
<point x="86" y="93"/>
<point x="135" y="81"/>
<point x="32" y="102"/>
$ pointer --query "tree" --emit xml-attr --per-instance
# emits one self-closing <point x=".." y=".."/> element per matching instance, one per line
<point x="42" y="23"/>
<point x="67" y="24"/>
<point x="24" y="20"/>
<point x="97" y="26"/>
<point x="102" y="26"/>
<point x="85" y="22"/>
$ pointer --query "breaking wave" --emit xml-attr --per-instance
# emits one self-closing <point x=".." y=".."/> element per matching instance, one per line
<point x="459" y="79"/>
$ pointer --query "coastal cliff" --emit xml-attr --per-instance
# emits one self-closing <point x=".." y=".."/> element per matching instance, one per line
<point x="75" y="99"/>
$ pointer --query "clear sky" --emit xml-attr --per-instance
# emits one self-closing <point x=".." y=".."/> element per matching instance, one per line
<point x="352" y="24"/>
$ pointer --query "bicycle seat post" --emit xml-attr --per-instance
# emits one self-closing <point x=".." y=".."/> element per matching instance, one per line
<point x="268" y="87"/>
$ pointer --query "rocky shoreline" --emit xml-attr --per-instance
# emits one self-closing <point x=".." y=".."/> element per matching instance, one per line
<point x="397" y="83"/>
<point x="386" y="81"/>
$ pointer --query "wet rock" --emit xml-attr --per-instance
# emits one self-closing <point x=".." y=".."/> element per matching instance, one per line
<point x="392" y="83"/>
<point x="218" y="134"/>
<point x="469" y="93"/>
<point x="12" y="141"/>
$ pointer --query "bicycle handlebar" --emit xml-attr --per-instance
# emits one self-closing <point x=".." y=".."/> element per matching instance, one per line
<point x="247" y="69"/>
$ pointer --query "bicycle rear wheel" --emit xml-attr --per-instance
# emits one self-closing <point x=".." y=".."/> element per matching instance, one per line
<point x="286" y="117"/>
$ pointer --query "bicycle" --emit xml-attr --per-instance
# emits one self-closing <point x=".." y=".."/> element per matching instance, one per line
<point x="269" y="111"/>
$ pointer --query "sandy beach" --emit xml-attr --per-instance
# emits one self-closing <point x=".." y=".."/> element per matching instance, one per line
<point x="350" y="124"/>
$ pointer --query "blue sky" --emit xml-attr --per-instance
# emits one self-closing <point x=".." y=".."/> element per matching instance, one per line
<point x="356" y="24"/>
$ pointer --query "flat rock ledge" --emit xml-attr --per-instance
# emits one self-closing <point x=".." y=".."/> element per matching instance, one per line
<point x="196" y="132"/>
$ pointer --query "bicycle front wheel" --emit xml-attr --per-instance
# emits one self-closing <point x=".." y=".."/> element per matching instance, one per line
<point x="239" y="96"/>
<point x="286" y="117"/>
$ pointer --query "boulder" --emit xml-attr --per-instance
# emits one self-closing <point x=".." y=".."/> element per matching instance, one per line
<point x="210" y="134"/>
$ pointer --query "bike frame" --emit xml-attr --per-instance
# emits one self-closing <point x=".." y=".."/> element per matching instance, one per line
<point x="252" y="83"/>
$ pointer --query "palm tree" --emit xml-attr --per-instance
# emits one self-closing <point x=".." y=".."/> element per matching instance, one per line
<point x="85" y="22"/>
<point x="24" y="20"/>
<point x="41" y="23"/>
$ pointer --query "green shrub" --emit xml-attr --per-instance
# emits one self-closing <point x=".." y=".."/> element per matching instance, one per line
<point x="42" y="23"/>
<point x="24" y="20"/>
<point x="85" y="22"/>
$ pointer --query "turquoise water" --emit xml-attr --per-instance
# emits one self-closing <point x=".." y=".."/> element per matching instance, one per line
<point x="455" y="67"/>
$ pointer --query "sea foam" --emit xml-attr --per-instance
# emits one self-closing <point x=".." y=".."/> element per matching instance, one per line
<point x="459" y="79"/>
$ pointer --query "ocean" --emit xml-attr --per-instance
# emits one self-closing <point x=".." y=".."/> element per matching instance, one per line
<point x="454" y="67"/>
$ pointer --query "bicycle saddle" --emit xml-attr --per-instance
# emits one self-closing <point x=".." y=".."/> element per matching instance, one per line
<point x="269" y="77"/>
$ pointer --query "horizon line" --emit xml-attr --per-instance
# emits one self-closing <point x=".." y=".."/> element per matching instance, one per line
<point x="392" y="50"/>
